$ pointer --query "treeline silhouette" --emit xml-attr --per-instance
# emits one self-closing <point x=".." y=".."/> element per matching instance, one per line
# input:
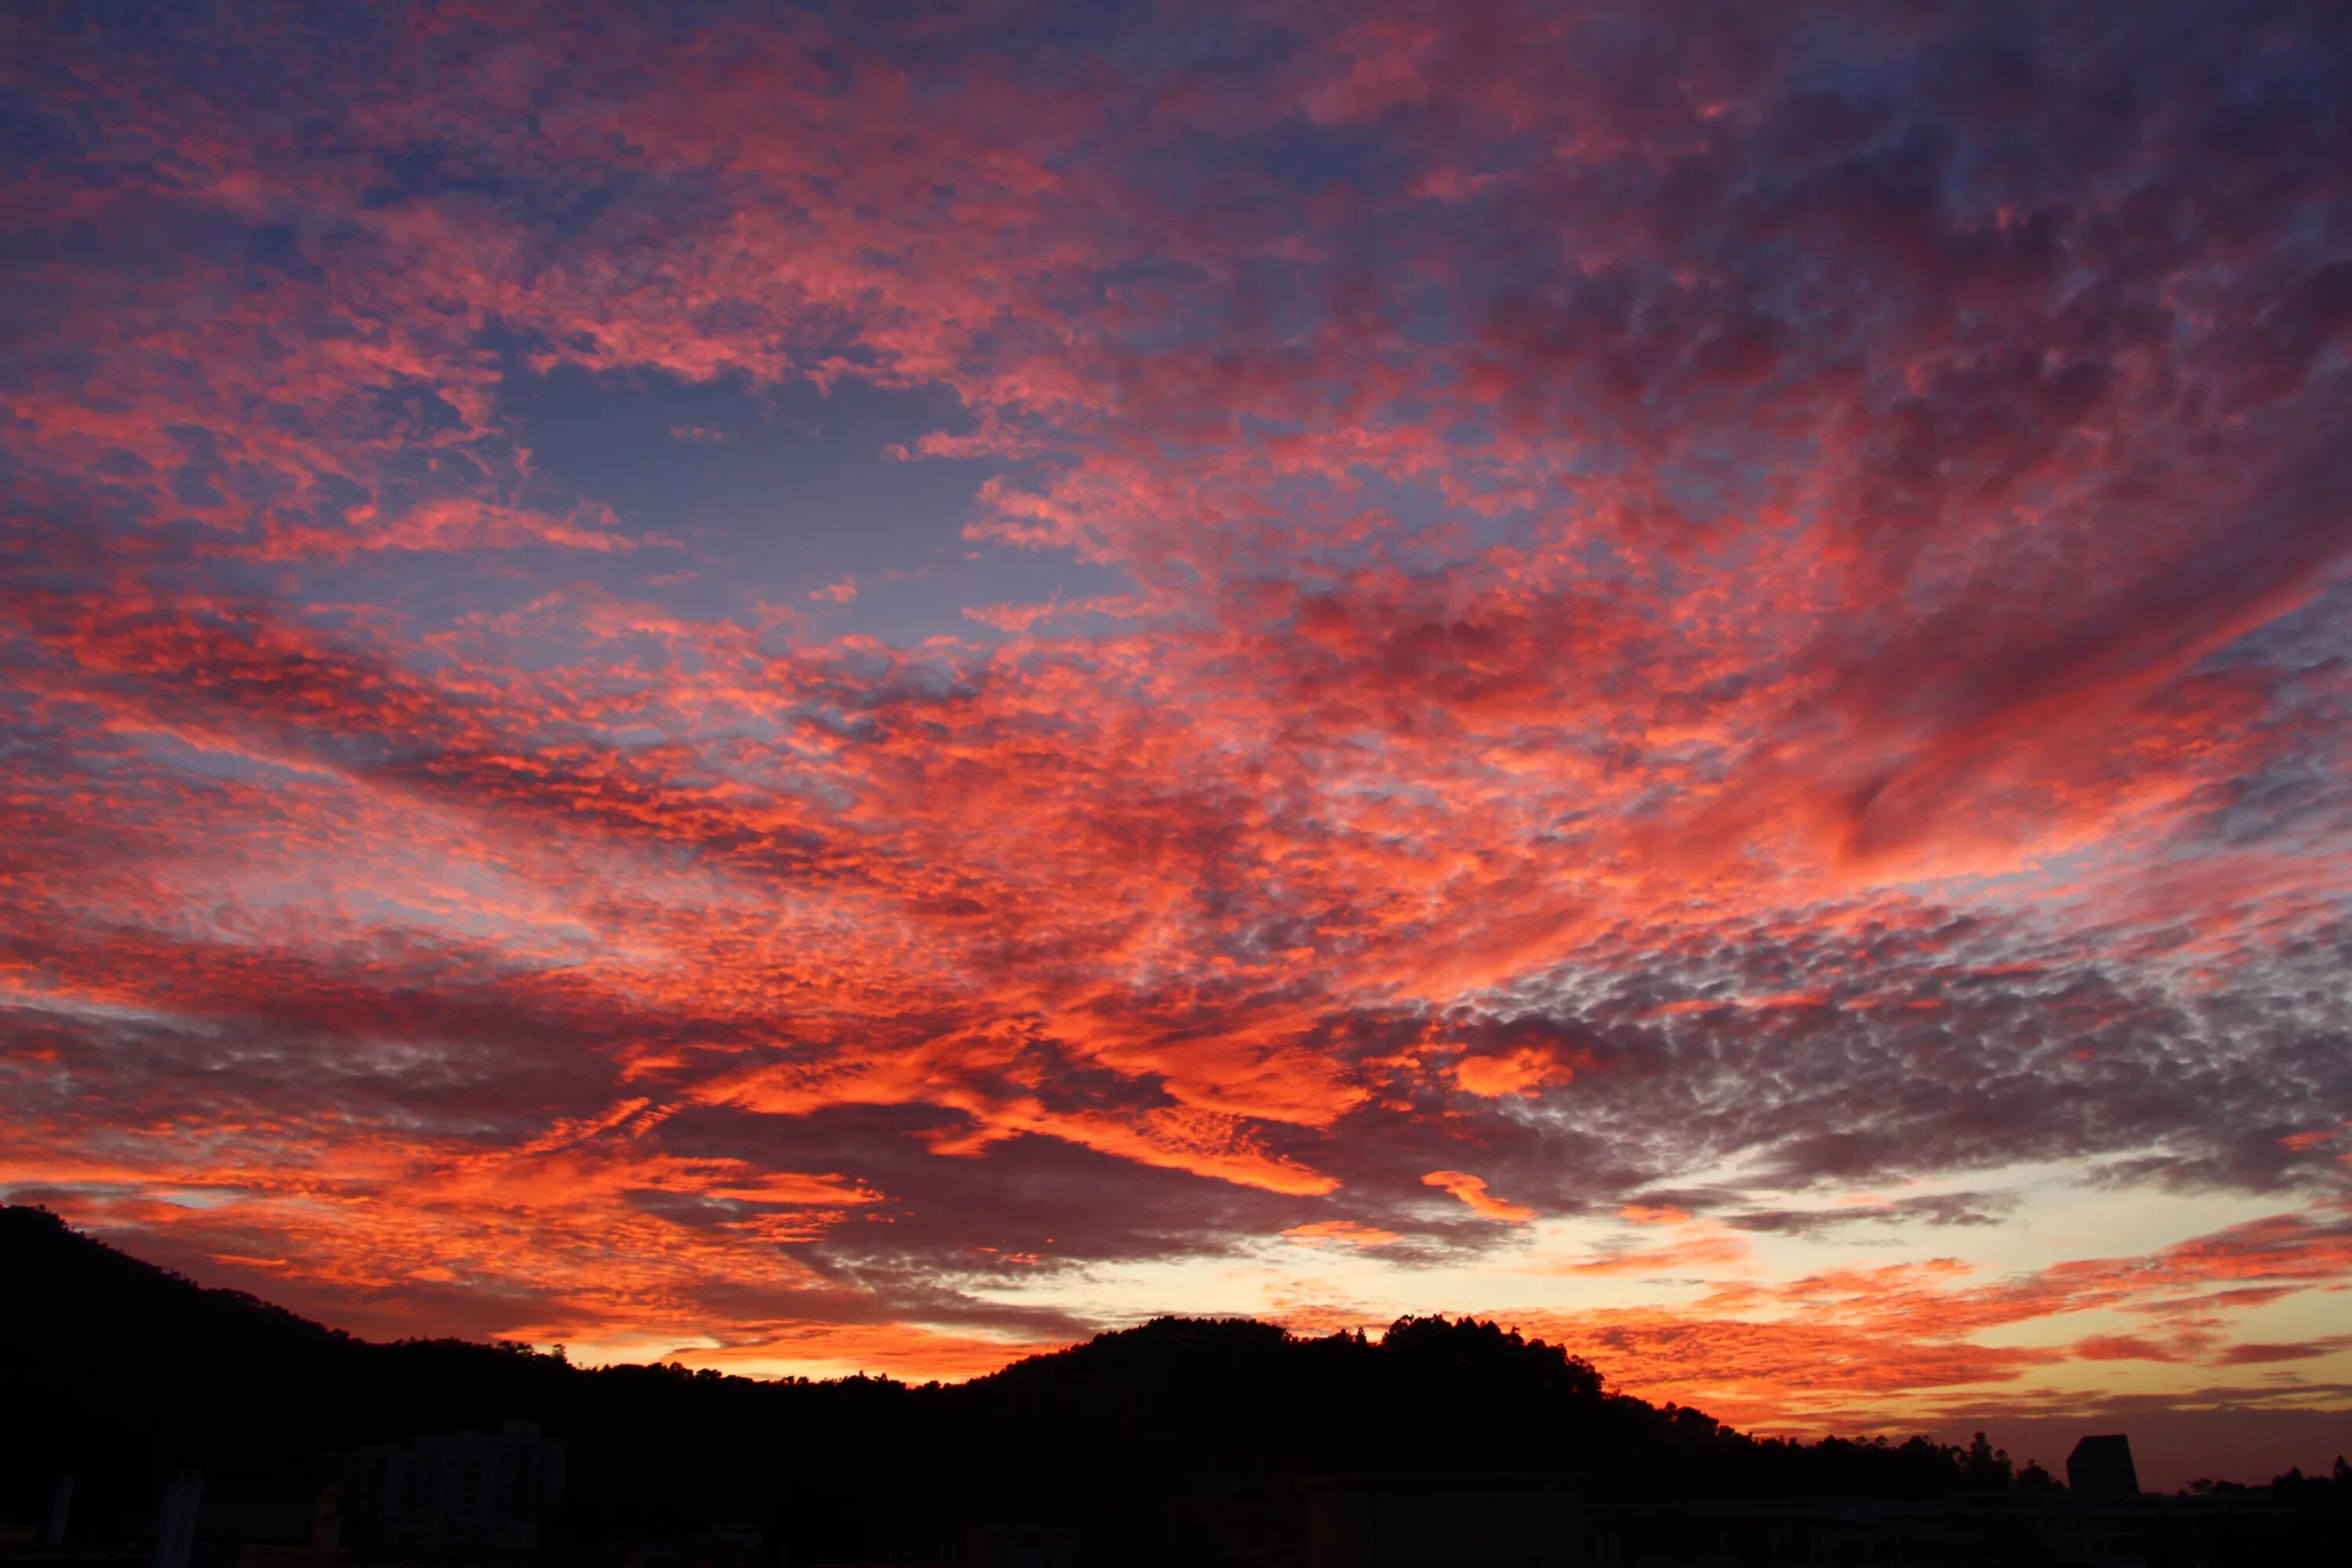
<point x="1181" y="1440"/>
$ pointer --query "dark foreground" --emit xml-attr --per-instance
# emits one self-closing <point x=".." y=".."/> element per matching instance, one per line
<point x="206" y="1430"/>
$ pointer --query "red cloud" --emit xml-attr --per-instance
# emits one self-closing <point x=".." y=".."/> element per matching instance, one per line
<point x="1659" y="605"/>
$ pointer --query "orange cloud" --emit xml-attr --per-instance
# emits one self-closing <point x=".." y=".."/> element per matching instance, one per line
<point x="1472" y="1190"/>
<point x="1524" y="1071"/>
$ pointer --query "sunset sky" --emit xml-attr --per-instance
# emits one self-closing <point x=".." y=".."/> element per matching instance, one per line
<point x="869" y="687"/>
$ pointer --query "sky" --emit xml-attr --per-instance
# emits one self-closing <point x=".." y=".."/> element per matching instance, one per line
<point x="870" y="687"/>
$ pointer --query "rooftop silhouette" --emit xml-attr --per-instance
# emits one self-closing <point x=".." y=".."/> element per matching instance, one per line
<point x="2101" y="1467"/>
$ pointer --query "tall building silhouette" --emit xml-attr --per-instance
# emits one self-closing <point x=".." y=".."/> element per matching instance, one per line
<point x="2101" y="1467"/>
<point x="483" y="1491"/>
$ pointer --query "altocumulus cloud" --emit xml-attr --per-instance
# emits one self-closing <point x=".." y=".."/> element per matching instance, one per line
<point x="1695" y="632"/>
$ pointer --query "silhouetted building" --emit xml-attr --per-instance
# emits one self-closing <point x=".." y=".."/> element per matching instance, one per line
<point x="2101" y="1467"/>
<point x="449" y="1490"/>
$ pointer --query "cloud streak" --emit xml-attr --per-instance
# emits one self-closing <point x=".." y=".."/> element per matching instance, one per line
<point x="1737" y="617"/>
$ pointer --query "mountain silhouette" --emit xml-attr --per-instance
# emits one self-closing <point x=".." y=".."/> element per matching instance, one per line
<point x="1181" y="1440"/>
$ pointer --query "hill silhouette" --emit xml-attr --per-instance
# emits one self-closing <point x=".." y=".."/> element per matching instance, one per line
<point x="1179" y="1440"/>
